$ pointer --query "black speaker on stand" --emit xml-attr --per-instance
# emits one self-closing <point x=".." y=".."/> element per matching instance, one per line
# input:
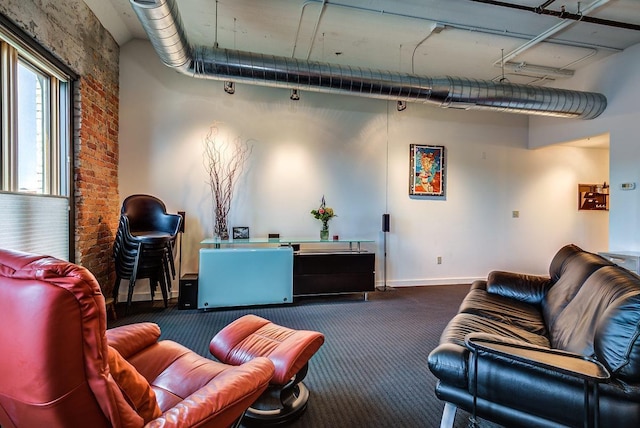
<point x="188" y="287"/>
<point x="181" y="232"/>
<point x="386" y="224"/>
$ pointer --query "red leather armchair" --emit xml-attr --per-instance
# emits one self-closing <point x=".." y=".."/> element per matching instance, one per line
<point x="60" y="367"/>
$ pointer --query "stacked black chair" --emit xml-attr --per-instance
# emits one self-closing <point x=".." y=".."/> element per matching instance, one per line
<point x="144" y="246"/>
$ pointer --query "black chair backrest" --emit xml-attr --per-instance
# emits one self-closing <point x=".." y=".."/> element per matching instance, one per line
<point x="148" y="213"/>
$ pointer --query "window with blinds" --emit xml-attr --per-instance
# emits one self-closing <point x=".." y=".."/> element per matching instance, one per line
<point x="35" y="147"/>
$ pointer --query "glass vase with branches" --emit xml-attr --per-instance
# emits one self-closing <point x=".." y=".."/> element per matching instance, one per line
<point x="224" y="162"/>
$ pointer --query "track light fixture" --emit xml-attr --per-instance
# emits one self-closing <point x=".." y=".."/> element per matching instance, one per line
<point x="230" y="88"/>
<point x="295" y="96"/>
<point x="402" y="105"/>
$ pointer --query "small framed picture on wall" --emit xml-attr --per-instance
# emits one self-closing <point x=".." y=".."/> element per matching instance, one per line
<point x="241" y="232"/>
<point x="427" y="170"/>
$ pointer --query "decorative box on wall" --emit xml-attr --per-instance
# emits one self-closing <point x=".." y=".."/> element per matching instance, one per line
<point x="593" y="196"/>
<point x="627" y="259"/>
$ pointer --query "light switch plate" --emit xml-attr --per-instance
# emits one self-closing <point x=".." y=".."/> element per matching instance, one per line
<point x="628" y="186"/>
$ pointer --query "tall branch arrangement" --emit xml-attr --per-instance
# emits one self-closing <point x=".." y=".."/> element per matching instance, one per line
<point x="224" y="162"/>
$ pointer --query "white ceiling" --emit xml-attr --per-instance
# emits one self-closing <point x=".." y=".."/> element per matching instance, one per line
<point x="464" y="38"/>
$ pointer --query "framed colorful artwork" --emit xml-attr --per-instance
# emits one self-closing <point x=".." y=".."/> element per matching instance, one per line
<point x="427" y="170"/>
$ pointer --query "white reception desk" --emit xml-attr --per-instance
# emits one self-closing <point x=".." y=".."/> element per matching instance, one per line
<point x="245" y="276"/>
<point x="268" y="271"/>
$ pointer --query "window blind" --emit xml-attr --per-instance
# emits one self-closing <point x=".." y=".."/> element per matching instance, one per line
<point x="35" y="223"/>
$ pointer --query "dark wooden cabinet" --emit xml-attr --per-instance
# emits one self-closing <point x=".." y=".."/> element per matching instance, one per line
<point x="333" y="273"/>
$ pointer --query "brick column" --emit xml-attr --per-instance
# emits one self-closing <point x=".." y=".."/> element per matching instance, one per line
<point x="96" y="177"/>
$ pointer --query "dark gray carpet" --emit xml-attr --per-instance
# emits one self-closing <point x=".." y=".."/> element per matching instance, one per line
<point x="372" y="370"/>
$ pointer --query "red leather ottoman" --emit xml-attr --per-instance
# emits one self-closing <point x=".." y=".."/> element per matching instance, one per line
<point x="251" y="336"/>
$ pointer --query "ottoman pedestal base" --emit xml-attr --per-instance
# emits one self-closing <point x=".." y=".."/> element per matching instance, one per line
<point x="290" y="350"/>
<point x="279" y="405"/>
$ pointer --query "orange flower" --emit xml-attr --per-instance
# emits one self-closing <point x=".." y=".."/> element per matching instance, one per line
<point x="323" y="213"/>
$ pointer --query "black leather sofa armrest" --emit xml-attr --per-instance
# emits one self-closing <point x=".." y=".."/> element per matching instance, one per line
<point x="525" y="288"/>
<point x="567" y="363"/>
<point x="448" y="362"/>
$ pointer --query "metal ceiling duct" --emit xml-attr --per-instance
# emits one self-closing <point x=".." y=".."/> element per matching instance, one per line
<point x="161" y="20"/>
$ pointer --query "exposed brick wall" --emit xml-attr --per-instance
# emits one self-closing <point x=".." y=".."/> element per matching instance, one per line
<point x="70" y="31"/>
<point x="96" y="177"/>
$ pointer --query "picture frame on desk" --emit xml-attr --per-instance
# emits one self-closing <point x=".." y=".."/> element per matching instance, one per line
<point x="240" y="232"/>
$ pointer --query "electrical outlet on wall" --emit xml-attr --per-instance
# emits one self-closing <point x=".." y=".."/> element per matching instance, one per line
<point x="439" y="260"/>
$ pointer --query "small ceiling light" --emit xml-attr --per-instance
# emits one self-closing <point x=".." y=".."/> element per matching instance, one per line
<point x="402" y="105"/>
<point x="229" y="88"/>
<point x="295" y="96"/>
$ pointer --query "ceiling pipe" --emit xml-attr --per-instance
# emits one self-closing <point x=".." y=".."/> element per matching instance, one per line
<point x="544" y="36"/>
<point x="544" y="5"/>
<point x="457" y="26"/>
<point x="433" y="28"/>
<point x="295" y="40"/>
<point x="315" y="28"/>
<point x="563" y="14"/>
<point x="161" y="20"/>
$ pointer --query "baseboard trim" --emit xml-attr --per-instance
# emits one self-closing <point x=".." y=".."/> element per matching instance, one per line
<point x="141" y="292"/>
<point x="427" y="282"/>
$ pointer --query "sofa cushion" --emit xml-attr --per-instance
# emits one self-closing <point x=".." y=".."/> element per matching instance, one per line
<point x="134" y="387"/>
<point x="504" y="310"/>
<point x="617" y="342"/>
<point x="575" y="327"/>
<point x="564" y="254"/>
<point x="463" y="324"/>
<point x="524" y="288"/>
<point x="450" y="359"/>
<point x="603" y="321"/>
<point x="575" y="272"/>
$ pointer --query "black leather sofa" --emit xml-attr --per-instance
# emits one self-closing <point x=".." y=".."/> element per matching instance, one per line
<point x="586" y="312"/>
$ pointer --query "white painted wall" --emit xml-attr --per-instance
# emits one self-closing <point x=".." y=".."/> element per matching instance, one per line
<point x="617" y="78"/>
<point x="355" y="151"/>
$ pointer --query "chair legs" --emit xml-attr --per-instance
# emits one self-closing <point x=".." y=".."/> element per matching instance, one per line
<point x="132" y="283"/>
<point x="110" y="305"/>
<point x="448" y="416"/>
<point x="116" y="288"/>
<point x="144" y="262"/>
<point x="164" y="290"/>
<point x="132" y="280"/>
<point x="153" y="285"/>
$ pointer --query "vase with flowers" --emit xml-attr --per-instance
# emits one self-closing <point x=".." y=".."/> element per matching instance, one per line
<point x="324" y="214"/>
